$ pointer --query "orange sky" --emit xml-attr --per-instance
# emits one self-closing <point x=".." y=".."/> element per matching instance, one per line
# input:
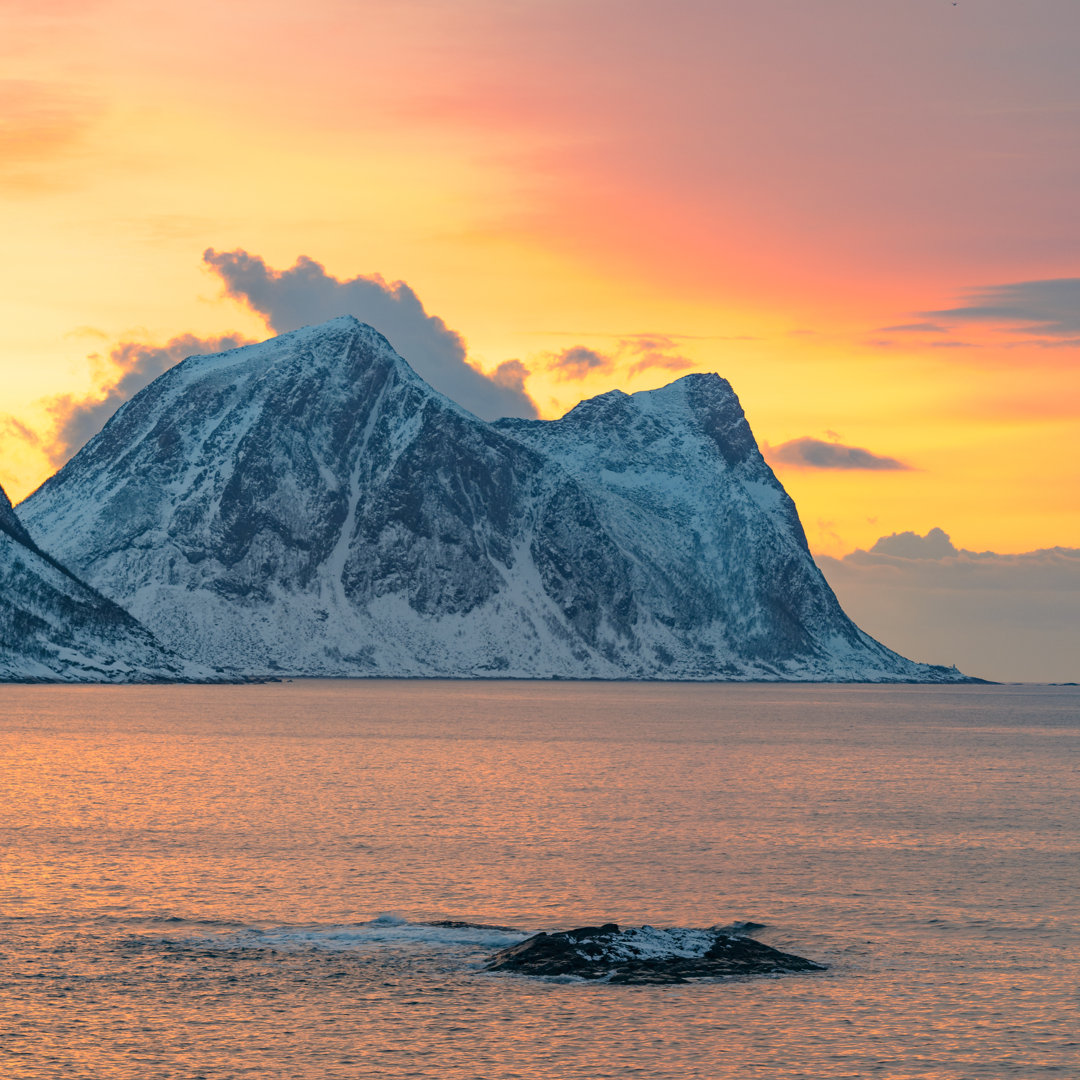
<point x="768" y="186"/>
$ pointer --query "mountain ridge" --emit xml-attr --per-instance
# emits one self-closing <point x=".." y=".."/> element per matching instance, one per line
<point x="310" y="506"/>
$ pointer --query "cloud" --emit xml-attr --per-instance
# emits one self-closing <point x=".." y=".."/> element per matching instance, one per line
<point x="1050" y="306"/>
<point x="914" y="328"/>
<point x="936" y="544"/>
<point x="306" y="294"/>
<point x="1002" y="617"/>
<point x="653" y="351"/>
<point x="1051" y="343"/>
<point x="577" y="362"/>
<point x="132" y="365"/>
<point x="633" y="355"/>
<point x="511" y="375"/>
<point x="11" y="427"/>
<point x="808" y="453"/>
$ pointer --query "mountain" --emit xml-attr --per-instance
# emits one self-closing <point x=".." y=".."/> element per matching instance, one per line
<point x="310" y="506"/>
<point x="53" y="628"/>
<point x="10" y="525"/>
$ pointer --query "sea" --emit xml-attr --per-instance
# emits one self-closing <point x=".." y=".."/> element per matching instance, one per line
<point x="240" y="881"/>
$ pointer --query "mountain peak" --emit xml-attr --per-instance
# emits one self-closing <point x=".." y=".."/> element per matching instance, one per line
<point x="711" y="379"/>
<point x="311" y="506"/>
<point x="699" y="404"/>
<point x="328" y="344"/>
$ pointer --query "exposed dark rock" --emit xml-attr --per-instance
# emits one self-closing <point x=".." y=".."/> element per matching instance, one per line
<point x="10" y="524"/>
<point x="310" y="506"/>
<point x="645" y="954"/>
<point x="55" y="628"/>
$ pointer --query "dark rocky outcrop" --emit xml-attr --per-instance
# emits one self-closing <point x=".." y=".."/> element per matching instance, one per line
<point x="645" y="954"/>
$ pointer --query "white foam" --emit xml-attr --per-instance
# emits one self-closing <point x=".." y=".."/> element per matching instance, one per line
<point x="649" y="943"/>
<point x="385" y="931"/>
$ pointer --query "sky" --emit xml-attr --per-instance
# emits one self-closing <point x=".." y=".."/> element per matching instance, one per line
<point x="861" y="214"/>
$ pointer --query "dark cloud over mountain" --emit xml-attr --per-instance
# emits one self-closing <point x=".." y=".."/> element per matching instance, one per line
<point x="306" y="294"/>
<point x="133" y="366"/>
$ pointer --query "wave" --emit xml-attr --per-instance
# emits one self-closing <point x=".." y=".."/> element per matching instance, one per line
<point x="384" y="931"/>
<point x="392" y="932"/>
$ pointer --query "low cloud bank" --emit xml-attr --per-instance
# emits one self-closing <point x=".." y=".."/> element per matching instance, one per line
<point x="1010" y="618"/>
<point x="306" y="294"/>
<point x="936" y="544"/>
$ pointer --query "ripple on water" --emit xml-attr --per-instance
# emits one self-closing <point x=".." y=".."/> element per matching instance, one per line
<point x="189" y="877"/>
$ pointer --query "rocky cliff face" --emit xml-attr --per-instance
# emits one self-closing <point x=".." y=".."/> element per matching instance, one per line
<point x="55" y="628"/>
<point x="310" y="506"/>
<point x="711" y="547"/>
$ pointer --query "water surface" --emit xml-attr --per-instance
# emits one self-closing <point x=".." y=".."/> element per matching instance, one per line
<point x="232" y="881"/>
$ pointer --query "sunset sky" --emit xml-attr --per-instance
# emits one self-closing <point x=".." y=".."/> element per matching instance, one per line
<point x="863" y="214"/>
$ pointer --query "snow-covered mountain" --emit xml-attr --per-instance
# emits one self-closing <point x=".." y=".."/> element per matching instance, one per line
<point x="53" y="628"/>
<point x="310" y="506"/>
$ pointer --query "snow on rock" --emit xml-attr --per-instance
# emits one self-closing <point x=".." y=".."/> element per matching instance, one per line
<point x="310" y="506"/>
<point x="53" y="628"/>
<point x="645" y="954"/>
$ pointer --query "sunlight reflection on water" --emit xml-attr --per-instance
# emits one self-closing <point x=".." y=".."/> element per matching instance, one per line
<point x="190" y="877"/>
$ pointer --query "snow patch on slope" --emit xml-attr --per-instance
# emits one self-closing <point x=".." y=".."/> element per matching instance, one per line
<point x="309" y="506"/>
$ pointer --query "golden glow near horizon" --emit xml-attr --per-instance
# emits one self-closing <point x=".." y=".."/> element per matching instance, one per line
<point x="772" y="193"/>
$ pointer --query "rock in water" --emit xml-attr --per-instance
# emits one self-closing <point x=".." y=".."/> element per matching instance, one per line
<point x="54" y="628"/>
<point x="645" y="954"/>
<point x="310" y="506"/>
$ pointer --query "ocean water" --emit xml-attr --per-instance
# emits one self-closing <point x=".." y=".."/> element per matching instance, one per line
<point x="234" y="881"/>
